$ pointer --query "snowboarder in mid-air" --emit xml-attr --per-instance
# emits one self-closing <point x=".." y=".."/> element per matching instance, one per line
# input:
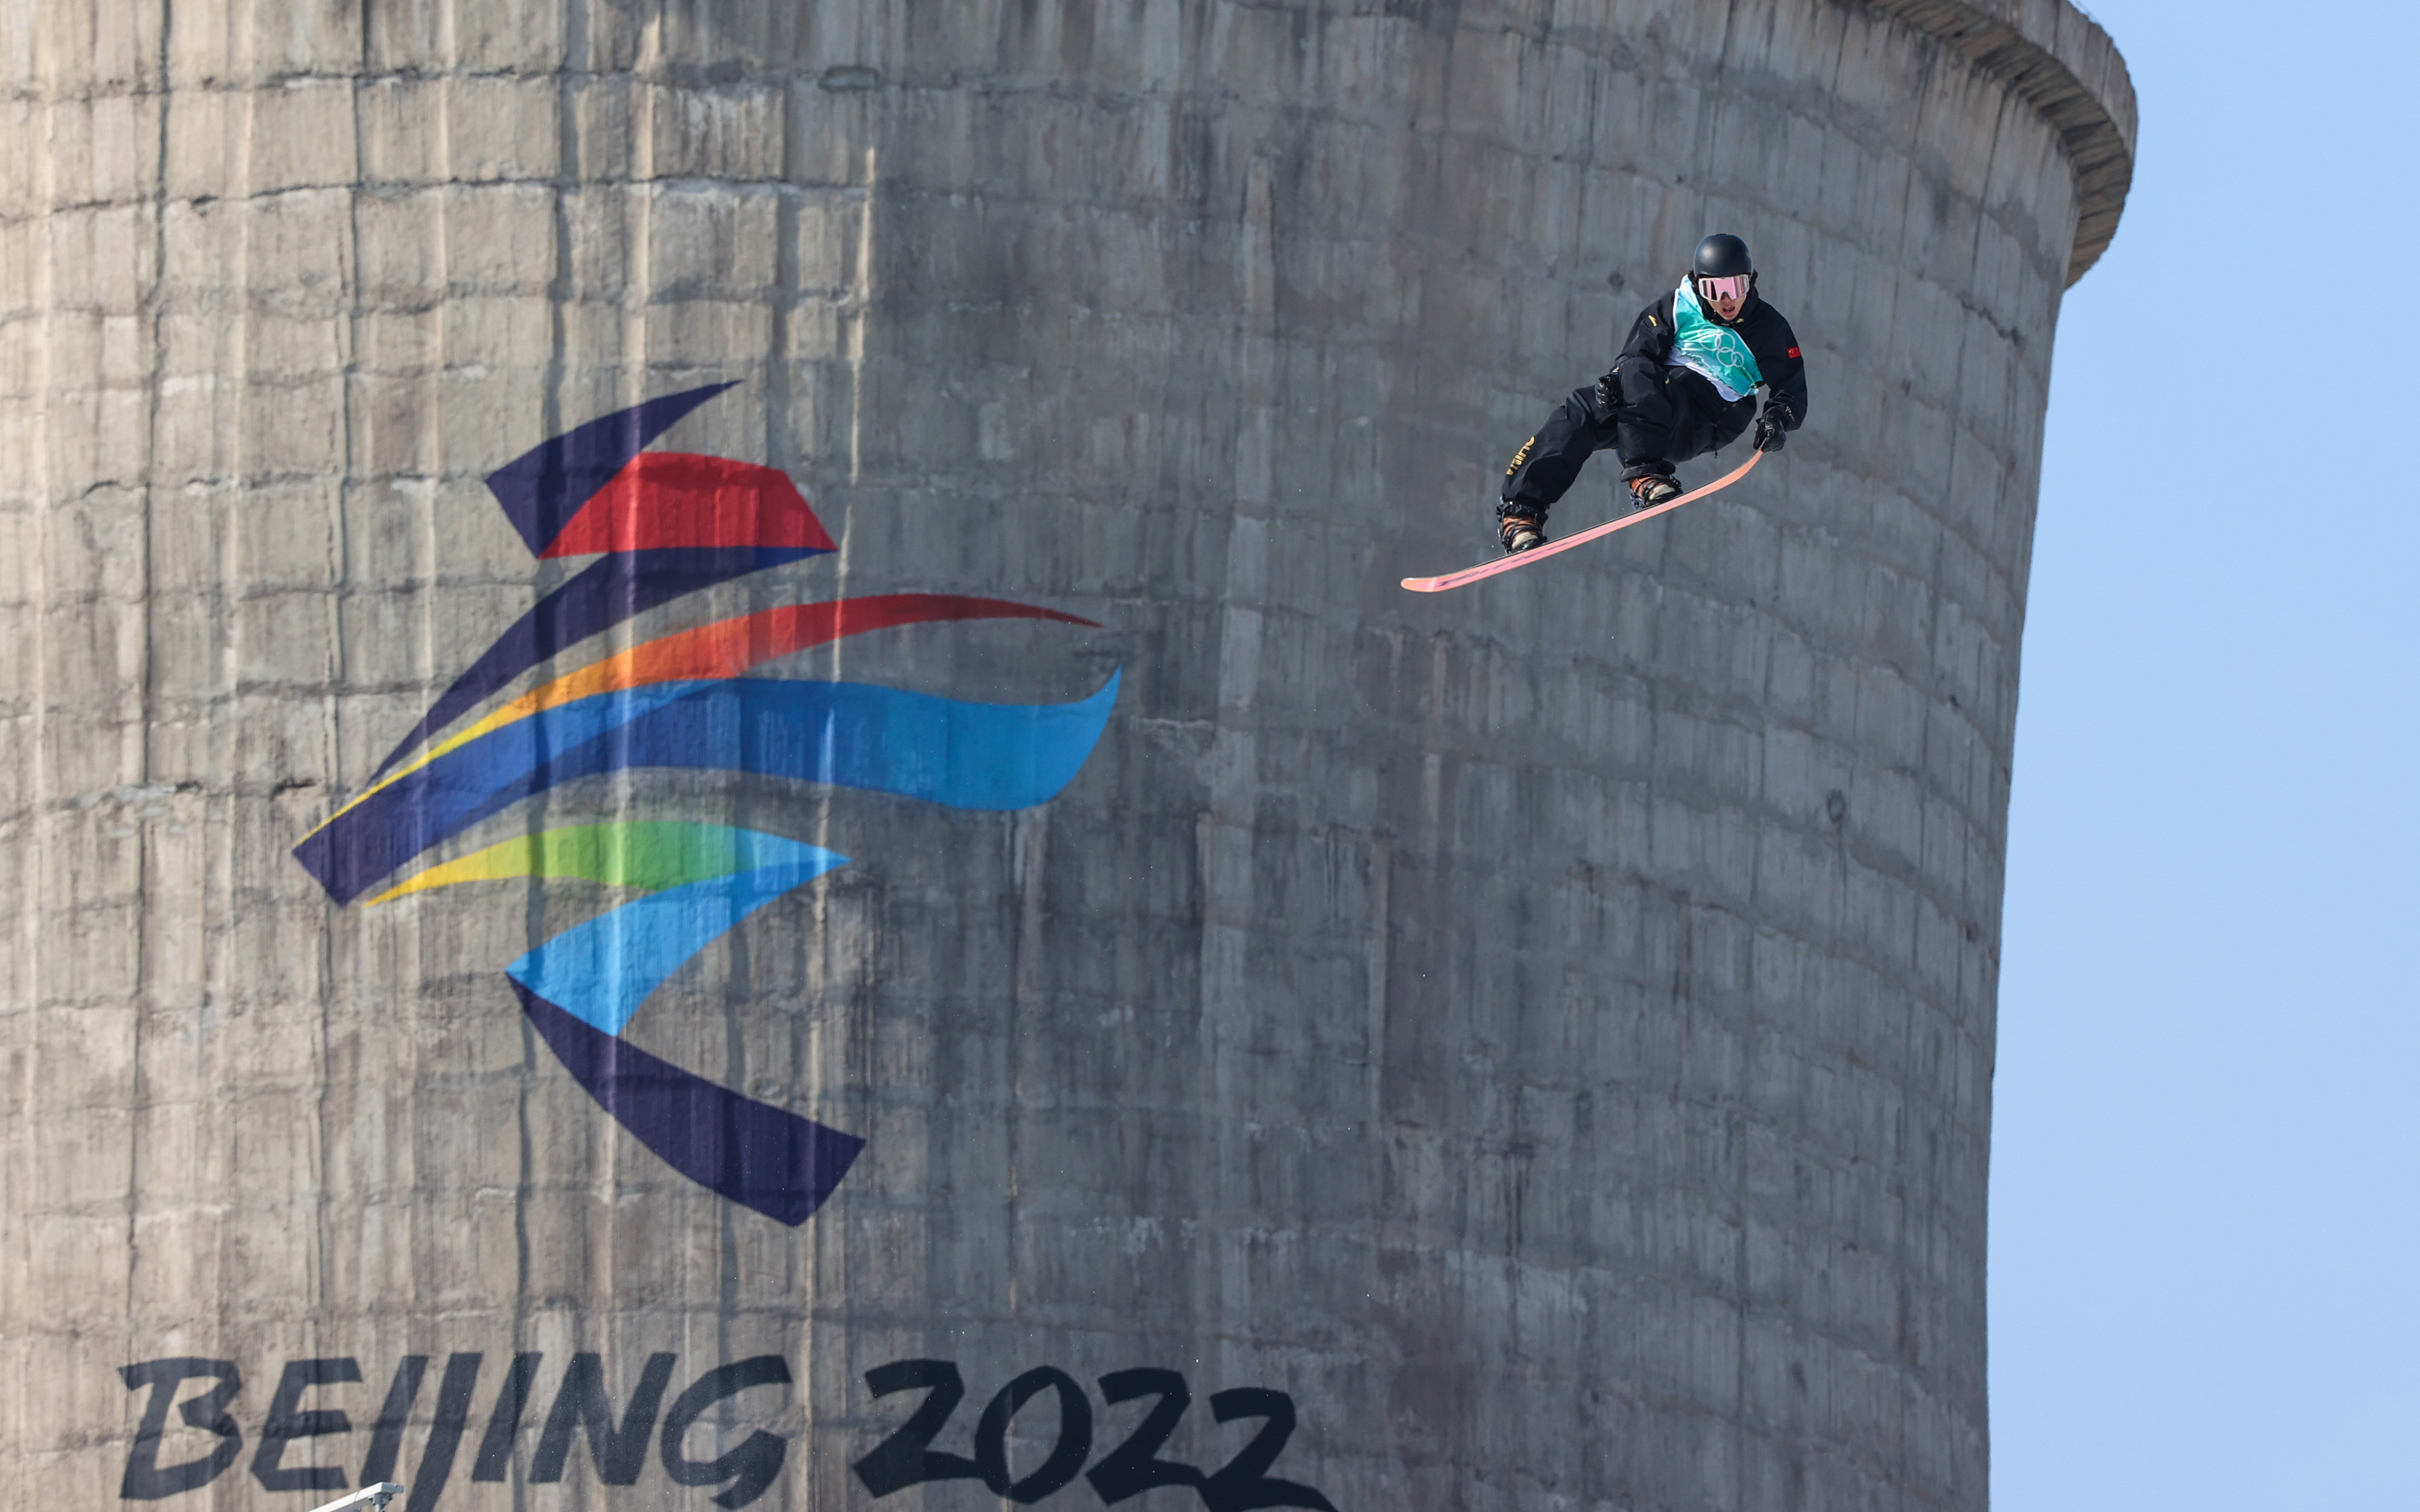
<point x="1683" y="387"/>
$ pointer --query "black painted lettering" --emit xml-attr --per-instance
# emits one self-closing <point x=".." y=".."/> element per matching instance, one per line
<point x="146" y="1479"/>
<point x="386" y="1434"/>
<point x="1244" y="1484"/>
<point x="288" y="1421"/>
<point x="444" y="1431"/>
<point x="617" y="1441"/>
<point x="749" y="1467"/>
<point x="1067" y="1455"/>
<point x="505" y="1423"/>
<point x="1130" y="1470"/>
<point x="619" y="1452"/>
<point x="904" y="1459"/>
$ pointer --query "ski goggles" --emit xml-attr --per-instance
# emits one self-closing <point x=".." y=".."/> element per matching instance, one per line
<point x="1724" y="289"/>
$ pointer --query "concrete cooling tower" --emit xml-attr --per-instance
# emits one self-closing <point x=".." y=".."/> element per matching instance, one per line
<point x="716" y="793"/>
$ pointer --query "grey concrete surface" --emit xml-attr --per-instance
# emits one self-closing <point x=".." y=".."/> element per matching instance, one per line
<point x="1545" y="1029"/>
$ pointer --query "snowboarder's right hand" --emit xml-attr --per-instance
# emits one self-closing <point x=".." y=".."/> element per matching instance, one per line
<point x="1609" y="391"/>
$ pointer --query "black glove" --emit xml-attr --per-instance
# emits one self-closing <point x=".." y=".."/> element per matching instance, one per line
<point x="1609" y="391"/>
<point x="1772" y="428"/>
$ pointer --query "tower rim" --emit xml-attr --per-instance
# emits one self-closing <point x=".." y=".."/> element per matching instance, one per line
<point x="2064" y="63"/>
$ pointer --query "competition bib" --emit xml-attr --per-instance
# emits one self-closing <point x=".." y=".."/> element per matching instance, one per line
<point x="1715" y="352"/>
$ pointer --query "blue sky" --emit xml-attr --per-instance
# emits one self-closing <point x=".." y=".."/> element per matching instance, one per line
<point x="2205" y="1214"/>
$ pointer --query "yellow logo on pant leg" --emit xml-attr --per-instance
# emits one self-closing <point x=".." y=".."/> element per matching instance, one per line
<point x="1522" y="455"/>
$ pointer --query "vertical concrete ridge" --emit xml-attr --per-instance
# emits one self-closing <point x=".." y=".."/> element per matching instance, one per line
<point x="2061" y="62"/>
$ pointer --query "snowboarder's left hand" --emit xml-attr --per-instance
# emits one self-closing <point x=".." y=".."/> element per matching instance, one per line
<point x="1772" y="428"/>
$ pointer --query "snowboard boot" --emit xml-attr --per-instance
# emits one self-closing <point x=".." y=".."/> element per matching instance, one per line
<point x="1652" y="490"/>
<point x="1519" y="533"/>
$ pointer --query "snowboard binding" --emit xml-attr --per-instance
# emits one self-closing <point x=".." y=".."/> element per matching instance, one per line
<point x="1651" y="489"/>
<point x="1520" y="531"/>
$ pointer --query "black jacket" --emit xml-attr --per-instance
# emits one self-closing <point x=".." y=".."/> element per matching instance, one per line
<point x="1769" y="339"/>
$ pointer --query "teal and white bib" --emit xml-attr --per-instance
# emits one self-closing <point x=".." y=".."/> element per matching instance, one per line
<point x="1713" y="352"/>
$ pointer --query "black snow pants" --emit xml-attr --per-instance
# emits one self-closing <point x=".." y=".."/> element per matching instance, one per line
<point x="1665" y="415"/>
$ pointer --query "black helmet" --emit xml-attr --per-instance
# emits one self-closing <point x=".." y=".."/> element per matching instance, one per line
<point x="1722" y="255"/>
<point x="1721" y="267"/>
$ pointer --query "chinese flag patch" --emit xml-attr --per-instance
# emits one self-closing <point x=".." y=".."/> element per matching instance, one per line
<point x="1794" y="351"/>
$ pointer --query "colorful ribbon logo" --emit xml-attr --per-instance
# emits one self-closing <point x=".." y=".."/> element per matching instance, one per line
<point x="663" y="525"/>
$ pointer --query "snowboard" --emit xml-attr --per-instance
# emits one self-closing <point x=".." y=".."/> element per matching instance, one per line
<point x="1539" y="553"/>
